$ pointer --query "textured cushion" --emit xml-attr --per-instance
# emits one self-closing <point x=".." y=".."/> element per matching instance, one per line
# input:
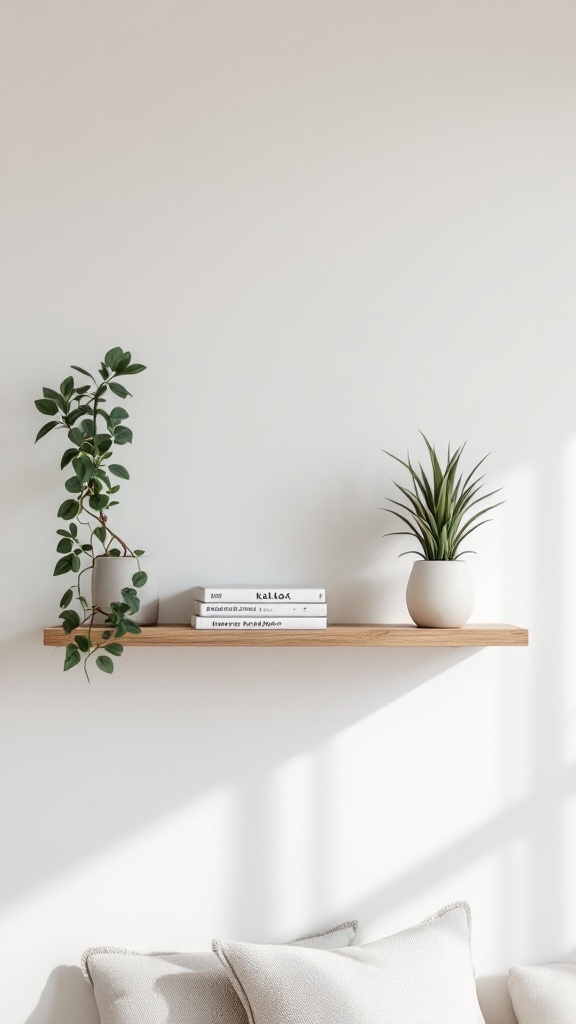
<point x="420" y="976"/>
<point x="544" y="995"/>
<point x="175" y="988"/>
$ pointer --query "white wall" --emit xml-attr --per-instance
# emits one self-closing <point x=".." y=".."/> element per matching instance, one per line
<point x="322" y="226"/>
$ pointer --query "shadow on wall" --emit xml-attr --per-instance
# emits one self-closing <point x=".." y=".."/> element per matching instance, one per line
<point x="222" y="698"/>
<point x="67" y="999"/>
<point x="494" y="999"/>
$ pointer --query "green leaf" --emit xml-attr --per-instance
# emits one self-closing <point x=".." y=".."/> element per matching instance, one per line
<point x="55" y="397"/>
<point x="104" y="441"/>
<point x="114" y="552"/>
<point x="72" y="656"/>
<point x="65" y="546"/>
<point x="84" y="468"/>
<point x="80" y="370"/>
<point x="83" y="643"/>
<point x="139" y="579"/>
<point x="76" y="436"/>
<point x="105" y="663"/>
<point x="119" y="390"/>
<point x="123" y="435"/>
<point x="75" y="563"/>
<point x="124" y="362"/>
<point x="73" y="530"/>
<point x="67" y="387"/>
<point x="134" y="368"/>
<point x="113" y="357"/>
<point x="63" y="565"/>
<point x="119" y="471"/>
<point x="70" y="620"/>
<point x="131" y="600"/>
<point x="66" y="598"/>
<point x="132" y="627"/>
<point x="115" y="649"/>
<point x="87" y="428"/>
<point x="98" y="502"/>
<point x="46" y="406"/>
<point x="106" y="634"/>
<point x="74" y="416"/>
<point x="439" y="507"/>
<point x="46" y="429"/>
<point x="73" y="485"/>
<point x="117" y="414"/>
<point x="68" y="509"/>
<point x="100" y="534"/>
<point x="69" y="454"/>
<point x="138" y="552"/>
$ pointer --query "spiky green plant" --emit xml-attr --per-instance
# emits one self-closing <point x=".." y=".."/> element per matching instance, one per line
<point x="439" y="513"/>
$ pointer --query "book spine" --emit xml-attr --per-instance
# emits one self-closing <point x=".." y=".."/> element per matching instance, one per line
<point x="256" y="610"/>
<point x="205" y="622"/>
<point x="292" y="595"/>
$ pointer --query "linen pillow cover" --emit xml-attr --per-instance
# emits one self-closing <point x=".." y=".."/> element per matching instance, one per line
<point x="175" y="988"/>
<point x="544" y="995"/>
<point x="423" y="975"/>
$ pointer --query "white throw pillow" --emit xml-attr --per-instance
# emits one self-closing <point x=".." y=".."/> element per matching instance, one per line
<point x="423" y="975"/>
<point x="175" y="988"/>
<point x="544" y="995"/>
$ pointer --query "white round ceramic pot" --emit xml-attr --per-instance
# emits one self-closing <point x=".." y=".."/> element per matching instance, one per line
<point x="440" y="594"/>
<point x="110" y="575"/>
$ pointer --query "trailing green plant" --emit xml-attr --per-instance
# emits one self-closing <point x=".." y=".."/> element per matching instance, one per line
<point x="92" y="433"/>
<point x="439" y="513"/>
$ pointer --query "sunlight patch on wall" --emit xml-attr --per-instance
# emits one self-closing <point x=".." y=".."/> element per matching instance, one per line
<point x="423" y="782"/>
<point x="293" y="847"/>
<point x="162" y="886"/>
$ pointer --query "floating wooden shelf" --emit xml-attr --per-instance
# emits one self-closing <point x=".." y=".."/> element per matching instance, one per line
<point x="348" y="635"/>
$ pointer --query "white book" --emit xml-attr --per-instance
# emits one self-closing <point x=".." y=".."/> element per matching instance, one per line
<point x="248" y="592"/>
<point x="240" y="622"/>
<point x="260" y="609"/>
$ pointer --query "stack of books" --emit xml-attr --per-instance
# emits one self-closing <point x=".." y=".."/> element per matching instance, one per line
<point x="252" y="607"/>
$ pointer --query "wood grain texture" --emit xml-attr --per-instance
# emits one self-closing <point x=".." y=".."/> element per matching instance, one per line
<point x="337" y="635"/>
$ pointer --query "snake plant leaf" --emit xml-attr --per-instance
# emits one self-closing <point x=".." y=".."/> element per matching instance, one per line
<point x="437" y="507"/>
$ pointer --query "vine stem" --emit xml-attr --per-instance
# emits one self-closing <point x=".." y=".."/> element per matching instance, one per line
<point x="102" y="520"/>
